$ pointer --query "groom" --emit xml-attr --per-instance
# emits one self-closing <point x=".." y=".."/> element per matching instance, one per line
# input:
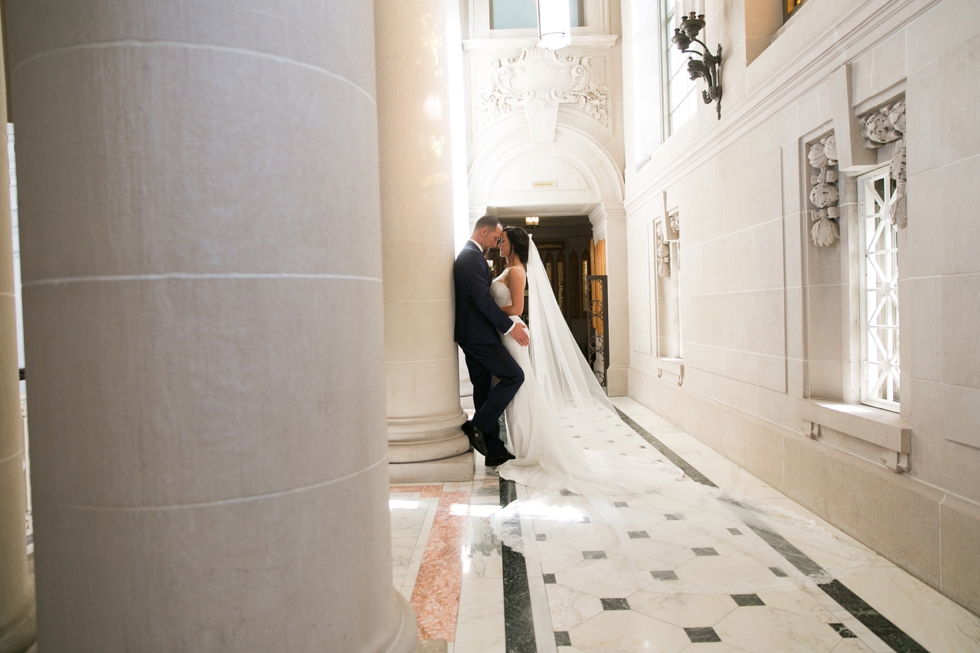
<point x="479" y="323"/>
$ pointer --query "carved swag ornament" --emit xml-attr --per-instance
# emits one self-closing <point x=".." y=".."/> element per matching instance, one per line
<point x="887" y="125"/>
<point x="663" y="251"/>
<point x="541" y="77"/>
<point x="824" y="194"/>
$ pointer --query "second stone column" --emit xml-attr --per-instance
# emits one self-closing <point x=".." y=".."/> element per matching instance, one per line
<point x="425" y="442"/>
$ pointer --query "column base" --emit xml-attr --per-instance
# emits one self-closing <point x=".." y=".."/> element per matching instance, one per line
<point x="426" y="439"/>
<point x="406" y="640"/>
<point x="456" y="468"/>
<point x="22" y="636"/>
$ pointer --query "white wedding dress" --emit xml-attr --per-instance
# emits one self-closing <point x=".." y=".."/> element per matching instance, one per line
<point x="581" y="463"/>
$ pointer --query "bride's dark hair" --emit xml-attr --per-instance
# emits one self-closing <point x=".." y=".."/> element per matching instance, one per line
<point x="520" y="244"/>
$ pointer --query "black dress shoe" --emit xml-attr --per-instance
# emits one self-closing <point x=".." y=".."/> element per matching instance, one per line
<point x="493" y="462"/>
<point x="475" y="437"/>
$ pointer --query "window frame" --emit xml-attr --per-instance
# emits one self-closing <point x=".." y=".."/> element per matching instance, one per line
<point x="877" y="225"/>
<point x="667" y="52"/>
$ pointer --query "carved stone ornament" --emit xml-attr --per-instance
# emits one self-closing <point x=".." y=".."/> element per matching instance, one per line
<point x="887" y="125"/>
<point x="541" y="78"/>
<point x="824" y="193"/>
<point x="663" y="252"/>
<point x="675" y="222"/>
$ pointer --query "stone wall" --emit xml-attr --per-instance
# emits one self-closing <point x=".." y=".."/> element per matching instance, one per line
<point x="769" y="320"/>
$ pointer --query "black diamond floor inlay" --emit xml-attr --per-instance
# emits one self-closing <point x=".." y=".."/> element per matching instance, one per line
<point x="704" y="551"/>
<point x="567" y="493"/>
<point x="621" y="504"/>
<point x="594" y="555"/>
<point x="615" y="604"/>
<point x="698" y="635"/>
<point x="664" y="575"/>
<point x="540" y="537"/>
<point x="562" y="638"/>
<point x="549" y="579"/>
<point x="877" y="623"/>
<point x="779" y="572"/>
<point x="843" y="631"/>
<point x="639" y="535"/>
<point x="675" y="517"/>
<point x="734" y="531"/>
<point x="746" y="600"/>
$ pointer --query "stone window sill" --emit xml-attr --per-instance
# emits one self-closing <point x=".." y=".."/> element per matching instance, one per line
<point x="875" y="425"/>
<point x="671" y="366"/>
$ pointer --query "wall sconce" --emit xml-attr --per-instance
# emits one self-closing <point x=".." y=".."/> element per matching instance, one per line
<point x="690" y="14"/>
<point x="554" y="24"/>
<point x="531" y="221"/>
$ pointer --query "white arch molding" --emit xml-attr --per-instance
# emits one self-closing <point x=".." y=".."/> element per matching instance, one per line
<point x="588" y="182"/>
<point x="585" y="176"/>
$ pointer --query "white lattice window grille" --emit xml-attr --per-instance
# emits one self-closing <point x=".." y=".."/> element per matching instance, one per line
<point x="680" y="98"/>
<point x="878" y="239"/>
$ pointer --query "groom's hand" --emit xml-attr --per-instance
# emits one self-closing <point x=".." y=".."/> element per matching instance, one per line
<point x="519" y="333"/>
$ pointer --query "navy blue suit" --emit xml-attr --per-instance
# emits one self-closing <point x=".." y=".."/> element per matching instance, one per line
<point x="479" y="323"/>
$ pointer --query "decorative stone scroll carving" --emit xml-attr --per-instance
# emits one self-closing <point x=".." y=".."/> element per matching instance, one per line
<point x="887" y="125"/>
<point x="541" y="78"/>
<point x="824" y="194"/>
<point x="663" y="252"/>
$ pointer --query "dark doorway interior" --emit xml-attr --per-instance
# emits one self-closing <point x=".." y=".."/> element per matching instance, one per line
<point x="563" y="243"/>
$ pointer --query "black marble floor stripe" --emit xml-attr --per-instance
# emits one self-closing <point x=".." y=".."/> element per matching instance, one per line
<point x="518" y="621"/>
<point x="884" y="629"/>
<point x="666" y="451"/>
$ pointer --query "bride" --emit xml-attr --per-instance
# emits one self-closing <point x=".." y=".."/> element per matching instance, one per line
<point x="581" y="463"/>
<point x="559" y="386"/>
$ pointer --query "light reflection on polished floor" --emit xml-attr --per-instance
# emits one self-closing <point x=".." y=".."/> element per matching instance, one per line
<point x="449" y="564"/>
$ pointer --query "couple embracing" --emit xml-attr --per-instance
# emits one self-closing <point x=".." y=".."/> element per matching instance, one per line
<point x="535" y="382"/>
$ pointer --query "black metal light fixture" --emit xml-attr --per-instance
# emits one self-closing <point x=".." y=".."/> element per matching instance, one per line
<point x="705" y="65"/>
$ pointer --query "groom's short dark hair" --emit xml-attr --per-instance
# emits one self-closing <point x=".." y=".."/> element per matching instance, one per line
<point x="486" y="221"/>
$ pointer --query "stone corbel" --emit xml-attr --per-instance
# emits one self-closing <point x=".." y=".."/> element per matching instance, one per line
<point x="811" y="429"/>
<point x="896" y="461"/>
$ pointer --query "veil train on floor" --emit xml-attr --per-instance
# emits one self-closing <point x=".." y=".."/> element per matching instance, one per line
<point x="595" y="480"/>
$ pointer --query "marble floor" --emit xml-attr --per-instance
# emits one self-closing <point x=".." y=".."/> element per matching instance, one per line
<point x="483" y="597"/>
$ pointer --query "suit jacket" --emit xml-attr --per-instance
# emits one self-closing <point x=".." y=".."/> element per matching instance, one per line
<point x="478" y="318"/>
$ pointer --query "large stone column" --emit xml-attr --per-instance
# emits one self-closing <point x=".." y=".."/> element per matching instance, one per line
<point x="203" y="312"/>
<point x="17" y="615"/>
<point x="424" y="414"/>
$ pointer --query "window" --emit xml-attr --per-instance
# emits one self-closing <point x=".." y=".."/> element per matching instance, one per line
<point x="878" y="241"/>
<point x="680" y="96"/>
<point x="523" y="14"/>
<point x="790" y="7"/>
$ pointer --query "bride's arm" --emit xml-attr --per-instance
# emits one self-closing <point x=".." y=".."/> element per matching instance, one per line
<point x="515" y="281"/>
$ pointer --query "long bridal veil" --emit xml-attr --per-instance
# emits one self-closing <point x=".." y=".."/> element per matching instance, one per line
<point x="594" y="481"/>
